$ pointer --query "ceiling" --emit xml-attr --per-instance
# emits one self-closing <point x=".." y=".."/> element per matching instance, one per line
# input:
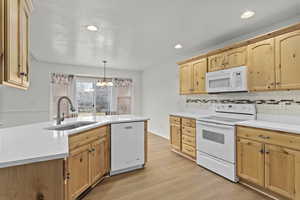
<point x="136" y="34"/>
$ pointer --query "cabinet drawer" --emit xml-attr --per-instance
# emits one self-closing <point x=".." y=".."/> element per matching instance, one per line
<point x="188" y="122"/>
<point x="80" y="139"/>
<point x="189" y="140"/>
<point x="174" y="120"/>
<point x="189" y="131"/>
<point x="191" y="151"/>
<point x="270" y="137"/>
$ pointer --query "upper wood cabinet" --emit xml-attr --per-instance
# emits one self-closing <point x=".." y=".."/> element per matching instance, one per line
<point x="250" y="161"/>
<point x="235" y="58"/>
<point x="15" y="70"/>
<point x="232" y="58"/>
<point x="261" y="65"/>
<point x="186" y="81"/>
<point x="192" y="77"/>
<point x="288" y="60"/>
<point x="199" y="74"/>
<point x="216" y="62"/>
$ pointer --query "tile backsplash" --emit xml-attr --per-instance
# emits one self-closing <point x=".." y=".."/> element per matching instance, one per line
<point x="271" y="102"/>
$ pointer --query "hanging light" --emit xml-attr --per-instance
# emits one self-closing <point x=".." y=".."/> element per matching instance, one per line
<point x="103" y="82"/>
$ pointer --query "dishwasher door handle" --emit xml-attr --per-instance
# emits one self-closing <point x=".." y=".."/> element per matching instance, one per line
<point x="128" y="127"/>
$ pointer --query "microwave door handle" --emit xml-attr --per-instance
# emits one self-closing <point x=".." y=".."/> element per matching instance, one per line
<point x="200" y="123"/>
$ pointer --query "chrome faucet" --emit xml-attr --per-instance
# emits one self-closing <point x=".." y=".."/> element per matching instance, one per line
<point x="58" y="118"/>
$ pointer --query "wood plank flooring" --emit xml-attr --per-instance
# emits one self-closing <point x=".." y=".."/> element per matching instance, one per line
<point x="168" y="176"/>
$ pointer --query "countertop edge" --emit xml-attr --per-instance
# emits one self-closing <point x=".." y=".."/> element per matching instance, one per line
<point x="33" y="160"/>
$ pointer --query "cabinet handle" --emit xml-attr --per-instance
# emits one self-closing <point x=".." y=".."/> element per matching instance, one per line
<point x="128" y="127"/>
<point x="68" y="175"/>
<point x="23" y="74"/>
<point x="262" y="151"/>
<point x="80" y="159"/>
<point x="40" y="196"/>
<point x="278" y="83"/>
<point x="264" y="137"/>
<point x="267" y="151"/>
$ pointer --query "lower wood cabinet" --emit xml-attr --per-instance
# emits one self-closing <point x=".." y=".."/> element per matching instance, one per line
<point x="183" y="135"/>
<point x="270" y="166"/>
<point x="99" y="159"/>
<point x="88" y="163"/>
<point x="251" y="161"/>
<point x="35" y="181"/>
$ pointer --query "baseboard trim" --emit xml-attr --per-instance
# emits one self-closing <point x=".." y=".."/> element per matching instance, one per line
<point x="258" y="190"/>
<point x="183" y="155"/>
<point x="163" y="136"/>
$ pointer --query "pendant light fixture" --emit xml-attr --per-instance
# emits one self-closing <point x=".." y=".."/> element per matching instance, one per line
<point x="104" y="82"/>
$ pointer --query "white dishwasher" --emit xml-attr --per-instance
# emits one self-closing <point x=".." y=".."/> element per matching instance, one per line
<point x="127" y="147"/>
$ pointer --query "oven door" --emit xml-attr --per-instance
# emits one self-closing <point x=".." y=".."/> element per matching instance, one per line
<point x="216" y="140"/>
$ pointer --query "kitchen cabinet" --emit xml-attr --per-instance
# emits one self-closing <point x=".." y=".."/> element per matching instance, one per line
<point x="78" y="171"/>
<point x="269" y="159"/>
<point x="235" y="58"/>
<point x="15" y="70"/>
<point x="186" y="81"/>
<point x="280" y="170"/>
<point x="250" y="161"/>
<point x="192" y="77"/>
<point x="261" y="65"/>
<point x="216" y="62"/>
<point x="88" y="161"/>
<point x="35" y="181"/>
<point x="228" y="59"/>
<point x="99" y="159"/>
<point x="175" y="136"/>
<point x="288" y="60"/>
<point x="199" y="74"/>
<point x="183" y="136"/>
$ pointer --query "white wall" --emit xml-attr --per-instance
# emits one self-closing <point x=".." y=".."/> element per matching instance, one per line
<point x="161" y="88"/>
<point x="21" y="107"/>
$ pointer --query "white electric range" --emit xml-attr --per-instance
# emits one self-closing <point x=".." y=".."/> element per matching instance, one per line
<point x="216" y="138"/>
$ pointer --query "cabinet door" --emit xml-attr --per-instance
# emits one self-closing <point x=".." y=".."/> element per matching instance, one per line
<point x="280" y="170"/>
<point x="216" y="62"/>
<point x="1" y="40"/>
<point x="250" y="161"/>
<point x="186" y="79"/>
<point x="12" y="45"/>
<point x="99" y="159"/>
<point x="24" y="43"/>
<point x="175" y="136"/>
<point x="199" y="74"/>
<point x="261" y="65"/>
<point x="79" y="171"/>
<point x="236" y="57"/>
<point x="288" y="60"/>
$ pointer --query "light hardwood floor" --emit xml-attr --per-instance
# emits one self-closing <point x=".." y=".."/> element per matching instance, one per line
<point x="168" y="176"/>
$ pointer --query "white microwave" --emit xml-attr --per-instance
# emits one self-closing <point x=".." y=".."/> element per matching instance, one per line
<point x="228" y="80"/>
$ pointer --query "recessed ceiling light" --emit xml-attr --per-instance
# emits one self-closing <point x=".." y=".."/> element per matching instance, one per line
<point x="178" y="46"/>
<point x="247" y="14"/>
<point x="92" y="28"/>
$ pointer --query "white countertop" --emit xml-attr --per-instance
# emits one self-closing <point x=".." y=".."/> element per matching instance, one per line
<point x="276" y="126"/>
<point x="196" y="116"/>
<point x="33" y="143"/>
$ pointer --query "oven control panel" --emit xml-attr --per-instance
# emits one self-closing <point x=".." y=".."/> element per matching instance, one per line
<point x="237" y="108"/>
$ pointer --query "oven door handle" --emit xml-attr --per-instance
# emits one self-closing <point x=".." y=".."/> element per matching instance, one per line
<point x="214" y="125"/>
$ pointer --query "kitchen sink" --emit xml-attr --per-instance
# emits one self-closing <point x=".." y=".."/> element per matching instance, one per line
<point x="69" y="126"/>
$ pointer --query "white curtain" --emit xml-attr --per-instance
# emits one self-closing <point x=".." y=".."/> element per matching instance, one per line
<point x="61" y="85"/>
<point x="123" y="95"/>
